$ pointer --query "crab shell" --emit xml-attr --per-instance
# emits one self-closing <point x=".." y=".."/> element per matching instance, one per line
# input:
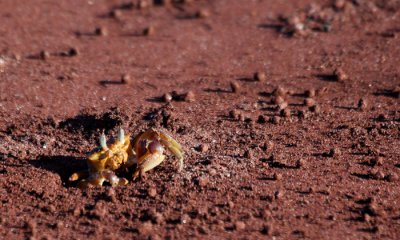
<point x="111" y="158"/>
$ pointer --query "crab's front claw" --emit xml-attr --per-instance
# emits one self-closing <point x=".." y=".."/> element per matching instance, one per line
<point x="173" y="146"/>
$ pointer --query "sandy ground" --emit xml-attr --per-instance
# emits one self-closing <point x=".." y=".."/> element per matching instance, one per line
<point x="306" y="148"/>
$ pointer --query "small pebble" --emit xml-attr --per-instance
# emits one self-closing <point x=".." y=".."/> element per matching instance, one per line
<point x="331" y="217"/>
<point x="234" y="114"/>
<point x="367" y="217"/>
<point x="185" y="218"/>
<point x="285" y="113"/>
<point x="212" y="171"/>
<point x="77" y="212"/>
<point x="152" y="192"/>
<point x="32" y="226"/>
<point x="203" y="13"/>
<point x="99" y="210"/>
<point x="315" y="109"/>
<point x="260" y="76"/>
<point x="261" y="119"/>
<point x="276" y="119"/>
<point x="278" y="100"/>
<point x="189" y="97"/>
<point x="248" y="154"/>
<point x="142" y="4"/>
<point x="282" y="106"/>
<point x="101" y="31"/>
<point x="339" y="4"/>
<point x="309" y="102"/>
<point x="203" y="148"/>
<point x="111" y="195"/>
<point x="300" y="163"/>
<point x="16" y="56"/>
<point x="125" y="79"/>
<point x="266" y="230"/>
<point x="279" y="194"/>
<point x="310" y="93"/>
<point x="379" y="175"/>
<point x="362" y="104"/>
<point x="149" y="31"/>
<point x="235" y="87"/>
<point x="334" y="152"/>
<point x="167" y="97"/>
<point x="203" y="181"/>
<point x="145" y="228"/>
<point x="377" y="161"/>
<point x="372" y="209"/>
<point x="59" y="225"/>
<point x="51" y="208"/>
<point x="279" y="91"/>
<point x="158" y="217"/>
<point x="116" y="13"/>
<point x="202" y="230"/>
<point x="393" y="177"/>
<point x="239" y="225"/>
<point x="72" y="52"/>
<point x="321" y="91"/>
<point x="44" y="55"/>
<point x="340" y="75"/>
<point x="242" y="117"/>
<point x="277" y="176"/>
<point x="268" y="146"/>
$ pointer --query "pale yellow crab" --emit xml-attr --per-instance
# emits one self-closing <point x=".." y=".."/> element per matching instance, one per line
<point x="147" y="152"/>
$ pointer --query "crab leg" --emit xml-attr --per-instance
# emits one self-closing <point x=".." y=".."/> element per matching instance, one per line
<point x="147" y="162"/>
<point x="113" y="179"/>
<point x="95" y="180"/>
<point x="130" y="162"/>
<point x="78" y="175"/>
<point x="175" y="148"/>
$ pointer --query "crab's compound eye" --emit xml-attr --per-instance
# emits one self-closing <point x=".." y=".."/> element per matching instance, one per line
<point x="156" y="147"/>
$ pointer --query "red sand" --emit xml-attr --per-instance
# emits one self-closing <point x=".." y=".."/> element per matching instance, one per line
<point x="329" y="171"/>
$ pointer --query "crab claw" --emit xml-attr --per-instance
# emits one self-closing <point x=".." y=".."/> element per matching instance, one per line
<point x="173" y="146"/>
<point x="149" y="149"/>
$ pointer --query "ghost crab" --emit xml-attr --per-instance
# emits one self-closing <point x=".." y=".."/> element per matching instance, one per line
<point x="146" y="151"/>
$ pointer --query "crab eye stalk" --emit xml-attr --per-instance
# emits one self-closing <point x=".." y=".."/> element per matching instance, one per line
<point x="121" y="135"/>
<point x="103" y="141"/>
